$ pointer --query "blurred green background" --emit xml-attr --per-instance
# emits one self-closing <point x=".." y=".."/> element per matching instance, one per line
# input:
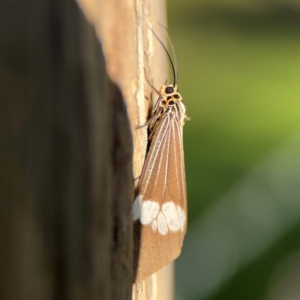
<point x="239" y="74"/>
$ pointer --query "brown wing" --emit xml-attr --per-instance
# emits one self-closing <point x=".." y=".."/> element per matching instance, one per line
<point x="162" y="186"/>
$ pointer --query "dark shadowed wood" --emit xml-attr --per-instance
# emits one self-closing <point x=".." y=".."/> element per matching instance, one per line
<point x="66" y="182"/>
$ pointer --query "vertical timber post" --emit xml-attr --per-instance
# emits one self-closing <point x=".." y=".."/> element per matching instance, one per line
<point x="131" y="52"/>
<point x="69" y="148"/>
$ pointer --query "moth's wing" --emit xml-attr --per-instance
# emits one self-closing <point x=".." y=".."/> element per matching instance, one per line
<point x="160" y="205"/>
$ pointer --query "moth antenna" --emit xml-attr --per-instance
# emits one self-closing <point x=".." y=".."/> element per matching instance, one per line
<point x="172" y="48"/>
<point x="169" y="57"/>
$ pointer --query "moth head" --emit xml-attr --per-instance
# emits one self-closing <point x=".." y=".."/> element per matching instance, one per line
<point x="168" y="90"/>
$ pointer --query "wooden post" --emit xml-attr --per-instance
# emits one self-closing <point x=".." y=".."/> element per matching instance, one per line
<point x="131" y="52"/>
<point x="68" y="115"/>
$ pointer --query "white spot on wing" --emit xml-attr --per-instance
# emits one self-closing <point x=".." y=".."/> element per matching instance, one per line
<point x="149" y="211"/>
<point x="137" y="206"/>
<point x="171" y="214"/>
<point x="154" y="225"/>
<point x="167" y="217"/>
<point x="182" y="217"/>
<point x="162" y="224"/>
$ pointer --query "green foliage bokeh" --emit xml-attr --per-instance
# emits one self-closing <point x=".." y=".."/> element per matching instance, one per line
<point x="239" y="71"/>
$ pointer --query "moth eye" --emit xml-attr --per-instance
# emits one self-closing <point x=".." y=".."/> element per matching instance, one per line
<point x="169" y="97"/>
<point x="176" y="96"/>
<point x="169" y="90"/>
<point x="171" y="102"/>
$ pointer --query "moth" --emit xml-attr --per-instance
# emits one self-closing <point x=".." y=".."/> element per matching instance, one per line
<point x="160" y="205"/>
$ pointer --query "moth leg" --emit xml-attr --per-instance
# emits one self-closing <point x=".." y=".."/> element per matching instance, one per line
<point x="153" y="88"/>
